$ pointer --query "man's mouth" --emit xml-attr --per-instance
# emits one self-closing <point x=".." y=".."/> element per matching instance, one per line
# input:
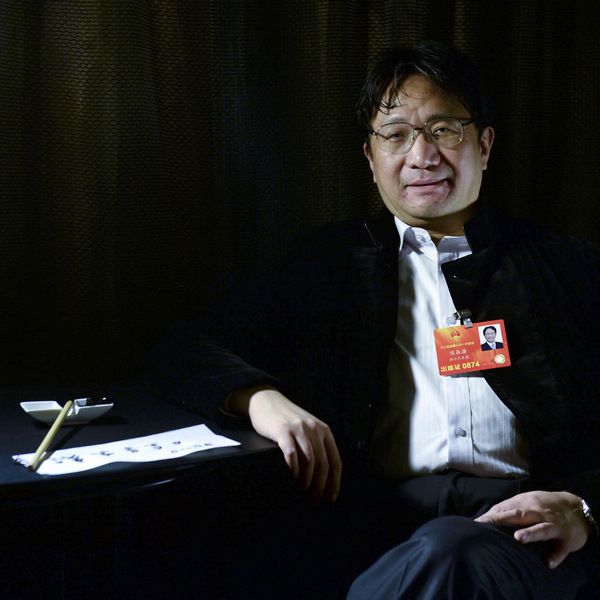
<point x="427" y="185"/>
<point x="426" y="182"/>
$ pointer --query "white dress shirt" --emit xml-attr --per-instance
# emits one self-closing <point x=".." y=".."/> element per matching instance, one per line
<point x="433" y="422"/>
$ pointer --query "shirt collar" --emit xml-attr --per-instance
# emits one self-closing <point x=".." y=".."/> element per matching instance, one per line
<point x="403" y="231"/>
<point x="415" y="237"/>
<point x="482" y="231"/>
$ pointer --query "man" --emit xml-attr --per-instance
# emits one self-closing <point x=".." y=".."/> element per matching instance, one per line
<point x="484" y="472"/>
<point x="489" y="333"/>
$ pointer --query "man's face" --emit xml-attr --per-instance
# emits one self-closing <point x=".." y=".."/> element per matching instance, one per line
<point x="430" y="187"/>
<point x="490" y="335"/>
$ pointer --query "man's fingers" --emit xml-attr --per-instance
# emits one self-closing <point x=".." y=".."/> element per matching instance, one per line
<point x="307" y="443"/>
<point x="290" y="454"/>
<point x="513" y="516"/>
<point x="539" y="532"/>
<point x="543" y="532"/>
<point x="317" y="468"/>
<point x="319" y="464"/>
<point x="554" y="559"/>
<point x="307" y="461"/>
<point x="543" y="516"/>
<point x="334" y="478"/>
<point x="319" y="481"/>
<point x="299" y="457"/>
<point x="328" y="470"/>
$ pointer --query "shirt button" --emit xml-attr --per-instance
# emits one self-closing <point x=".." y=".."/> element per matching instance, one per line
<point x="421" y="238"/>
<point x="460" y="432"/>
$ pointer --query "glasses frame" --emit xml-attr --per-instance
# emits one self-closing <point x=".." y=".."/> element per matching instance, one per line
<point x="415" y="134"/>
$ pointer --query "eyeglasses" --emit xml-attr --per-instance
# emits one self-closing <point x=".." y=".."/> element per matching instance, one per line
<point x="399" y="137"/>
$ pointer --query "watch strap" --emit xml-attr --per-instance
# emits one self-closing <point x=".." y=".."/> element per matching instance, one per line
<point x="587" y="513"/>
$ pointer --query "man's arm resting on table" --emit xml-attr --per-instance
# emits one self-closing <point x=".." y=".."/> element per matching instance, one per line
<point x="307" y="443"/>
<point x="541" y="516"/>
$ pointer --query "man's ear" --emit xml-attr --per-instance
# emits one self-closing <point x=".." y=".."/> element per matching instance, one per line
<point x="485" y="146"/>
<point x="367" y="151"/>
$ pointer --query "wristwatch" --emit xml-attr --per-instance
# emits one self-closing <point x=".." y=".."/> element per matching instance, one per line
<point x="587" y="513"/>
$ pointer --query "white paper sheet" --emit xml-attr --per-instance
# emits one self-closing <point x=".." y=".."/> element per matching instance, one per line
<point x="160" y="446"/>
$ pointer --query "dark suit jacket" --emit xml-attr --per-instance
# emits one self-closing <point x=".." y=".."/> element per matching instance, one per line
<point x="486" y="346"/>
<point x="321" y="330"/>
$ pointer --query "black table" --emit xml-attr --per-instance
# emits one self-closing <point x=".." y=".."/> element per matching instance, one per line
<point x="136" y="413"/>
<point x="167" y="529"/>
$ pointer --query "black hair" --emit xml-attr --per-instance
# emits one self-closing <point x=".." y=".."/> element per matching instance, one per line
<point x="445" y="67"/>
<point x="489" y="327"/>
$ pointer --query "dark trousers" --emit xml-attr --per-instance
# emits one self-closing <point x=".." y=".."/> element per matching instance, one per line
<point x="447" y="555"/>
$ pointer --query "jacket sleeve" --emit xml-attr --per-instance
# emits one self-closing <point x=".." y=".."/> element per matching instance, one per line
<point x="571" y="324"/>
<point x="227" y="347"/>
<point x="257" y="336"/>
<point x="189" y="369"/>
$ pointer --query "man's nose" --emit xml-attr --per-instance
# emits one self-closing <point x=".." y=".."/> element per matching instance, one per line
<point x="423" y="154"/>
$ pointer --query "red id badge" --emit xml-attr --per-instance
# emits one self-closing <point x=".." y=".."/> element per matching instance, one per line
<point x="462" y="349"/>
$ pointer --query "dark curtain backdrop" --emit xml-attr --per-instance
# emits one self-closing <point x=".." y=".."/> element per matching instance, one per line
<point x="154" y="153"/>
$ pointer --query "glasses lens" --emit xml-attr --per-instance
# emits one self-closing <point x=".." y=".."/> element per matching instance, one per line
<point x="445" y="132"/>
<point x="395" y="137"/>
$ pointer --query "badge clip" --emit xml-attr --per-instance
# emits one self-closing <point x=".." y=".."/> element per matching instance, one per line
<point x="465" y="317"/>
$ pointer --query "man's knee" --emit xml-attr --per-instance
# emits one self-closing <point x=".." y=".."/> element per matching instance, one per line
<point x="449" y="557"/>
<point x="459" y="549"/>
<point x="454" y="540"/>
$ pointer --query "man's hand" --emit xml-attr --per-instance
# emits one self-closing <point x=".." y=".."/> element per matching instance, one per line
<point x="542" y="516"/>
<point x="306" y="442"/>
